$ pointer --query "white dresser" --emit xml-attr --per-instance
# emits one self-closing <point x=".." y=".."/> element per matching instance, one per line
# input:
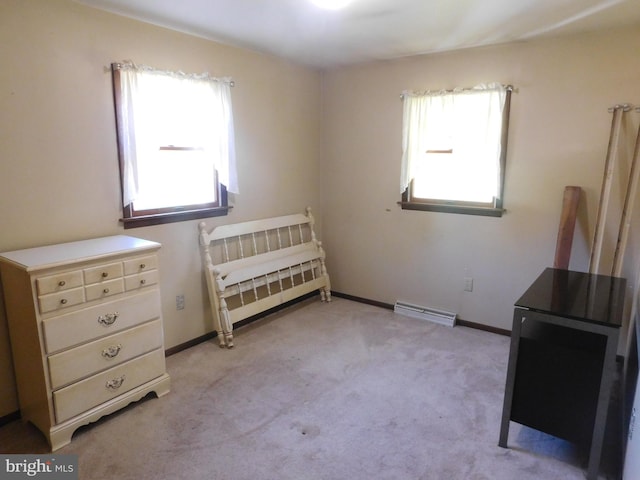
<point x="85" y="328"/>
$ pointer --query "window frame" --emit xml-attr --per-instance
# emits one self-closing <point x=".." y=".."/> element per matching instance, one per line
<point x="495" y="209"/>
<point x="132" y="218"/>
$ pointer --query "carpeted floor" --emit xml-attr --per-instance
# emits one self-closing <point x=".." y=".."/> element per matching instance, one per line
<point x="325" y="391"/>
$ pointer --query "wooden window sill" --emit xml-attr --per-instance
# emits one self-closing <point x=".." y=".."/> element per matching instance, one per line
<point x="460" y="209"/>
<point x="162" y="218"/>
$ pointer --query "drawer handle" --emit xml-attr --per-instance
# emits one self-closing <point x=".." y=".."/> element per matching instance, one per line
<point x="108" y="319"/>
<point x="142" y="266"/>
<point x="62" y="283"/>
<point x="106" y="290"/>
<point x="63" y="301"/>
<point x="105" y="274"/>
<point x="115" y="384"/>
<point x="112" y="351"/>
<point x="143" y="281"/>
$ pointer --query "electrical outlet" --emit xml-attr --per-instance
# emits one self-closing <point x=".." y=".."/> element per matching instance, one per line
<point x="180" y="302"/>
<point x="468" y="284"/>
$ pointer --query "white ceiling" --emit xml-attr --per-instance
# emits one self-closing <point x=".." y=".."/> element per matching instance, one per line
<point x="374" y="29"/>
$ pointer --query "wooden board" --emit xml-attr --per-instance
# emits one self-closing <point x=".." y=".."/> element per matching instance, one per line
<point x="607" y="180"/>
<point x="564" y="243"/>
<point x="625" y="221"/>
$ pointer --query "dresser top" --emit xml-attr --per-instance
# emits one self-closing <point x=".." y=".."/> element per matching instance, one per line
<point x="581" y="296"/>
<point x="38" y="258"/>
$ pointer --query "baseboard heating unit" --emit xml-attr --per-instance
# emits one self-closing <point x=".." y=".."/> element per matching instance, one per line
<point x="424" y="313"/>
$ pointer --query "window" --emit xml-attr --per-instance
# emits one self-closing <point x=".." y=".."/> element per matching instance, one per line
<point x="454" y="150"/>
<point x="175" y="144"/>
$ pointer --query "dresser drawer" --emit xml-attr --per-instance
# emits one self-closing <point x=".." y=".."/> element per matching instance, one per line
<point x="60" y="300"/>
<point x="59" y="282"/>
<point x="140" y="280"/>
<point x="91" y="323"/>
<point x="102" y="273"/>
<point x="93" y="391"/>
<point x="80" y="362"/>
<point x="140" y="264"/>
<point x="104" y="289"/>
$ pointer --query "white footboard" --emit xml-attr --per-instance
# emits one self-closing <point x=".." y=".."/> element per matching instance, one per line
<point x="253" y="266"/>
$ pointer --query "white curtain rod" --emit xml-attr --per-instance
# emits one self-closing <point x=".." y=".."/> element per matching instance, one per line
<point x="129" y="65"/>
<point x="509" y="88"/>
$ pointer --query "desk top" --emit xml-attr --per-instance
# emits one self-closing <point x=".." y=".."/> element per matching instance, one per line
<point x="581" y="296"/>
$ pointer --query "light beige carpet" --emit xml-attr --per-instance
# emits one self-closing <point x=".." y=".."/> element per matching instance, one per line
<point x="325" y="391"/>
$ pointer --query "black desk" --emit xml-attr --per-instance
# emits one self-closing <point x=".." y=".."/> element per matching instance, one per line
<point x="562" y="358"/>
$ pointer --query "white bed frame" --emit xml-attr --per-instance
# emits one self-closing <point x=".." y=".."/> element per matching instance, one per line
<point x="253" y="266"/>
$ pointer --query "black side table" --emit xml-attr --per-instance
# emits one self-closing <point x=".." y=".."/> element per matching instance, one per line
<point x="562" y="358"/>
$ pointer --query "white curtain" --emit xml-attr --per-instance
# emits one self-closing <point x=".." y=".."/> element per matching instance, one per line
<point x="465" y="119"/>
<point x="172" y="108"/>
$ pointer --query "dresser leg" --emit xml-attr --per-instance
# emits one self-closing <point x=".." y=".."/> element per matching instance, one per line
<point x="604" y="395"/>
<point x="518" y="318"/>
<point x="60" y="438"/>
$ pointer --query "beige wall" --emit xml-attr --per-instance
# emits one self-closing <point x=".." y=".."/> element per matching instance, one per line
<point x="558" y="136"/>
<point x="58" y="163"/>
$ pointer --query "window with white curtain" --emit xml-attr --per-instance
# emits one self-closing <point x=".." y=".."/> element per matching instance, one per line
<point x="175" y="144"/>
<point x="454" y="149"/>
